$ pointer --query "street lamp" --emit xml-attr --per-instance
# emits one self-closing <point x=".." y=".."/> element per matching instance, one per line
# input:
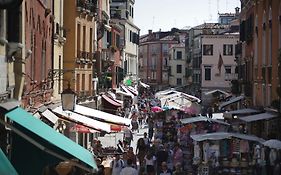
<point x="68" y="99"/>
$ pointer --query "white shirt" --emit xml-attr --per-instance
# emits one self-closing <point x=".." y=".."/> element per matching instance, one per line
<point x="129" y="171"/>
<point x="150" y="161"/>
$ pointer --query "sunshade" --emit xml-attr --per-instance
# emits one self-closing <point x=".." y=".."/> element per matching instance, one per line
<point x="104" y="116"/>
<point x="273" y="143"/>
<point x="6" y="168"/>
<point x="39" y="128"/>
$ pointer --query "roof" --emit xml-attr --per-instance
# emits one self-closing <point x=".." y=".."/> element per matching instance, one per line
<point x="82" y="120"/>
<point x="231" y="101"/>
<point x="107" y="117"/>
<point x="243" y="111"/>
<point x="216" y="91"/>
<point x="210" y="26"/>
<point x="201" y="119"/>
<point x="225" y="135"/>
<point x="256" y="117"/>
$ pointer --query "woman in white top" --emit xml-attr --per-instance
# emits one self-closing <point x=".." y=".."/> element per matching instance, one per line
<point x="149" y="160"/>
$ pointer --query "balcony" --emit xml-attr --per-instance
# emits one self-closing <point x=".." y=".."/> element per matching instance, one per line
<point x="229" y="77"/>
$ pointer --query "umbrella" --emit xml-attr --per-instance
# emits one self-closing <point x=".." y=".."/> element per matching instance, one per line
<point x="273" y="143"/>
<point x="156" y="109"/>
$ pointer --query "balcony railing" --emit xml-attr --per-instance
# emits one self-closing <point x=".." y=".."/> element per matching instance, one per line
<point x="231" y="77"/>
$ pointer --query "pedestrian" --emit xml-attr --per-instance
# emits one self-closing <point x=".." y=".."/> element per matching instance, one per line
<point x="161" y="156"/>
<point x="210" y="112"/>
<point x="127" y="137"/>
<point x="150" y="163"/>
<point x="131" y="155"/>
<point x="128" y="170"/>
<point x="134" y="121"/>
<point x="100" y="167"/>
<point x="165" y="170"/>
<point x="116" y="165"/>
<point x="150" y="128"/>
<point x="140" y="118"/>
<point x="178" y="155"/>
<point x="141" y="150"/>
<point x="146" y="140"/>
<point x="178" y="170"/>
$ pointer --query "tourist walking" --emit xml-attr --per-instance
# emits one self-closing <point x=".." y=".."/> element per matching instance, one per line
<point x="129" y="170"/>
<point x="165" y="170"/>
<point x="116" y="165"/>
<point x="141" y="150"/>
<point x="150" y="163"/>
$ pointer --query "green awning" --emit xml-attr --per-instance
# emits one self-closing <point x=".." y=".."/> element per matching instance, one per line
<point x="6" y="168"/>
<point x="36" y="126"/>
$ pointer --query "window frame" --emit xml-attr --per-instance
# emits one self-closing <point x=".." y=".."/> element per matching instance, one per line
<point x="206" y="50"/>
<point x="205" y="73"/>
<point x="177" y="55"/>
<point x="179" y="70"/>
<point x="227" y="49"/>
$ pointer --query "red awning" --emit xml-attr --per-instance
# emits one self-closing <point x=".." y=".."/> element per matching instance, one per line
<point x="115" y="128"/>
<point x="82" y="129"/>
<point x="111" y="101"/>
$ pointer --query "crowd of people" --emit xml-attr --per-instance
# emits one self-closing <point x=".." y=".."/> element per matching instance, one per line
<point x="157" y="152"/>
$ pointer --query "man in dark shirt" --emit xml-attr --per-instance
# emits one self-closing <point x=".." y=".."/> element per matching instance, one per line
<point x="161" y="156"/>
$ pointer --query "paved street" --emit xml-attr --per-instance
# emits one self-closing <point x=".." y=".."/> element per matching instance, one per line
<point x="112" y="139"/>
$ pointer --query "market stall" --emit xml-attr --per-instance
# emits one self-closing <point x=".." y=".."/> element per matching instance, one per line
<point x="225" y="153"/>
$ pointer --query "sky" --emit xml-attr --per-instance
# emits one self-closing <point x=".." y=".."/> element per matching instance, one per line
<point x="166" y="14"/>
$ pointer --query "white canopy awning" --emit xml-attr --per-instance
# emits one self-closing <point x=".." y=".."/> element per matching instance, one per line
<point x="50" y="116"/>
<point x="118" y="91"/>
<point x="231" y="101"/>
<point x="144" y="85"/>
<point x="178" y="102"/>
<point x="127" y="91"/>
<point x="243" y="111"/>
<point x="200" y="119"/>
<point x="217" y="91"/>
<point x="133" y="90"/>
<point x="115" y="119"/>
<point x="262" y="116"/>
<point x="83" y="120"/>
<point x="225" y="135"/>
<point x="165" y="93"/>
<point x="172" y="93"/>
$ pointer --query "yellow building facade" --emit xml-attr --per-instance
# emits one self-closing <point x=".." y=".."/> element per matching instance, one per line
<point x="80" y="28"/>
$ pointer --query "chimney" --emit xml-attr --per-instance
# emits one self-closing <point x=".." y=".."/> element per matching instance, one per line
<point x="149" y="32"/>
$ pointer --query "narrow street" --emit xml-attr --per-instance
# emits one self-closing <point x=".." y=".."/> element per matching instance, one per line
<point x="111" y="140"/>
